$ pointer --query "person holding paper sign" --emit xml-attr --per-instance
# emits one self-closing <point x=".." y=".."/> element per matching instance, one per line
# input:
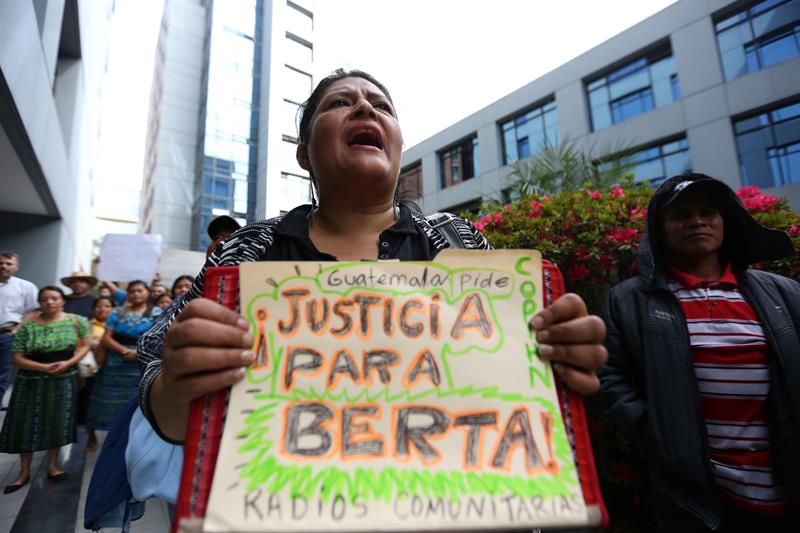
<point x="350" y="143"/>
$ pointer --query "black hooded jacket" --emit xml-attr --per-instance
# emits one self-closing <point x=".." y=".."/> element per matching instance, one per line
<point x="649" y="386"/>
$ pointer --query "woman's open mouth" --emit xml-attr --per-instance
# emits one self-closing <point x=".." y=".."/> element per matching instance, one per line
<point x="366" y="138"/>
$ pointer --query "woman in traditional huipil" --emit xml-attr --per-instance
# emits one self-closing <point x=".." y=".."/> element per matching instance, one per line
<point x="118" y="379"/>
<point x="41" y="413"/>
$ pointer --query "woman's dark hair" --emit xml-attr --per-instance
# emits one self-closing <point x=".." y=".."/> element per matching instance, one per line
<point x="177" y="280"/>
<point x="49" y="288"/>
<point x="137" y="282"/>
<point x="101" y="298"/>
<point x="161" y="297"/>
<point x="309" y="107"/>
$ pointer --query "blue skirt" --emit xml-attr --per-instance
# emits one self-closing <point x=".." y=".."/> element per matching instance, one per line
<point x="116" y="382"/>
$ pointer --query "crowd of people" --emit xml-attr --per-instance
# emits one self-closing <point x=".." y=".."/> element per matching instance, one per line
<point x="698" y="356"/>
<point x="48" y="336"/>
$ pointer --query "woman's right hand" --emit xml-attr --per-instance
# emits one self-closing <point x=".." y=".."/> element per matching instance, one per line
<point x="58" y="367"/>
<point x="206" y="349"/>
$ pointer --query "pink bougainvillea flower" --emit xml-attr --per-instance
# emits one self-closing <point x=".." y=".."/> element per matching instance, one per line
<point x="546" y="199"/>
<point x="594" y="195"/>
<point x="759" y="203"/>
<point x="622" y="235"/>
<point x="536" y="209"/>
<point x="794" y="229"/>
<point x="618" y="192"/>
<point x="639" y="212"/>
<point x="497" y="218"/>
<point x="581" y="254"/>
<point x="747" y="192"/>
<point x="578" y="273"/>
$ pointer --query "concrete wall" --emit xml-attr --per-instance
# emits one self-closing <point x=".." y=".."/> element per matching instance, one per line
<point x="47" y="112"/>
<point x="703" y="114"/>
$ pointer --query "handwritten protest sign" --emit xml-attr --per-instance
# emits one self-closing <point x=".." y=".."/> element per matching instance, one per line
<point x="394" y="396"/>
<point x="129" y="257"/>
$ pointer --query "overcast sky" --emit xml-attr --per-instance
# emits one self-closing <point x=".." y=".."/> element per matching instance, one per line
<point x="441" y="59"/>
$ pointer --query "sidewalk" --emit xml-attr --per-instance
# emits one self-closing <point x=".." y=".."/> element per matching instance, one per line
<point x="43" y="506"/>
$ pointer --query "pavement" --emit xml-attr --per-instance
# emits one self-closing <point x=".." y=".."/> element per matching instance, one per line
<point x="44" y="506"/>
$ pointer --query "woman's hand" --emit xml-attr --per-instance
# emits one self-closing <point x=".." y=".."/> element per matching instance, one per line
<point x="128" y="354"/>
<point x="58" y="367"/>
<point x="572" y="340"/>
<point x="206" y="349"/>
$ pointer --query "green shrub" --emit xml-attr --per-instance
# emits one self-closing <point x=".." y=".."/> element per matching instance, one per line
<point x="593" y="236"/>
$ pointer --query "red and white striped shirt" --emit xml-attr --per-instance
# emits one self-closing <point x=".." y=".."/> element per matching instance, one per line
<point x="731" y="364"/>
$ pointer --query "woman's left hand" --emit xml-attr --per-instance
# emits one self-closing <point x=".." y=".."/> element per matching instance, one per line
<point x="572" y="340"/>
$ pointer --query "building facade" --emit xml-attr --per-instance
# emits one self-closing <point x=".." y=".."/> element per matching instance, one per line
<point x="228" y="82"/>
<point x="710" y="86"/>
<point x="53" y="58"/>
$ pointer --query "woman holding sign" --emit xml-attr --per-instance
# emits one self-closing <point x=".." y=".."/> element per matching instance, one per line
<point x="350" y="143"/>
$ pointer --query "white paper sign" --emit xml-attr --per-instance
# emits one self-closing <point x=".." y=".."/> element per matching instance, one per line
<point x="176" y="263"/>
<point x="129" y="257"/>
<point x="395" y="396"/>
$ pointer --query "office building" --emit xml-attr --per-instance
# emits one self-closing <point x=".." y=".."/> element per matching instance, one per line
<point x="228" y="81"/>
<point x="711" y="86"/>
<point x="52" y="67"/>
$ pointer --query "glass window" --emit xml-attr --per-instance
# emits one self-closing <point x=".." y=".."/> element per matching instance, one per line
<point x="289" y="118"/>
<point x="298" y="85"/>
<point x="299" y="52"/>
<point x="769" y="146"/>
<point x="299" y="19"/>
<point x="657" y="163"/>
<point x="409" y="184"/>
<point x="221" y="188"/>
<point x="527" y="133"/>
<point x="289" y="158"/>
<point x="759" y="36"/>
<point x="631" y="105"/>
<point x="231" y="112"/>
<point x="633" y="89"/>
<point x="459" y="162"/>
<point x="295" y="189"/>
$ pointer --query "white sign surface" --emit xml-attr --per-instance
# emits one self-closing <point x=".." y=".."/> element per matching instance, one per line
<point x="395" y="396"/>
<point x="129" y="257"/>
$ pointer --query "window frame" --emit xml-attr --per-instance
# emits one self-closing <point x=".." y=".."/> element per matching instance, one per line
<point x="744" y="15"/>
<point x="625" y="68"/>
<point x="472" y="139"/>
<point x="540" y="105"/>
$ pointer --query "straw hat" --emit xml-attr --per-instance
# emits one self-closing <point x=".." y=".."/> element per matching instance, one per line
<point x="78" y="276"/>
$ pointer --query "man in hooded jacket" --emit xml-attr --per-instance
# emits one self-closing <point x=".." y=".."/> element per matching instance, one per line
<point x="704" y="363"/>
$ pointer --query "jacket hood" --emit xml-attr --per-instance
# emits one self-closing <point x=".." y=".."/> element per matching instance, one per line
<point x="745" y="241"/>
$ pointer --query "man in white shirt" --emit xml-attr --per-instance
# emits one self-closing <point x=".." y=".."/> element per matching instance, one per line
<point x="17" y="298"/>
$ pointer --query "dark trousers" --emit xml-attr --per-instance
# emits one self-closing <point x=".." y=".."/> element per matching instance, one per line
<point x="5" y="362"/>
<point x="673" y="519"/>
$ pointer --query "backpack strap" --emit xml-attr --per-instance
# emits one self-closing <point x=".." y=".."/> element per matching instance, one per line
<point x="444" y="224"/>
